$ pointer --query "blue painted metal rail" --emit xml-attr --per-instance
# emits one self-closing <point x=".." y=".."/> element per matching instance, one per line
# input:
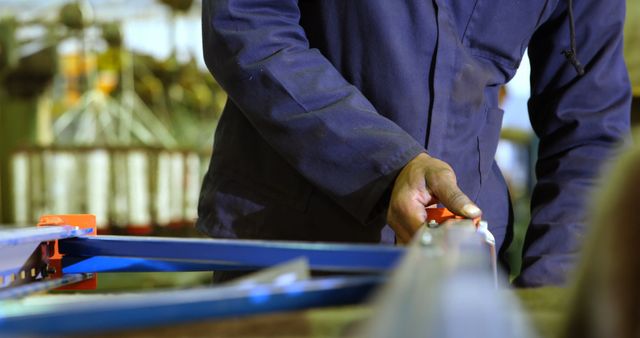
<point x="124" y="253"/>
<point x="108" y="312"/>
<point x="59" y="316"/>
<point x="72" y="264"/>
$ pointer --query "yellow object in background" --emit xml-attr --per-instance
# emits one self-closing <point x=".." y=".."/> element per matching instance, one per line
<point x="632" y="43"/>
<point x="107" y="81"/>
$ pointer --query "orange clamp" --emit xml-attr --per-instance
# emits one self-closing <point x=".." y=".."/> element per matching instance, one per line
<point x="82" y="221"/>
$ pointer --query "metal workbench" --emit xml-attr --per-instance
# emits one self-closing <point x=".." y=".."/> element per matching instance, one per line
<point x="444" y="278"/>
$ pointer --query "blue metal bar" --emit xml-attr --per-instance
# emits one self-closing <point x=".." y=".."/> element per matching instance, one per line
<point x="238" y="253"/>
<point x="44" y="285"/>
<point x="72" y="264"/>
<point x="103" y="313"/>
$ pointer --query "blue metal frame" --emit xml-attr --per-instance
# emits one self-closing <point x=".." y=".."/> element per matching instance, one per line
<point x="445" y="278"/>
<point x="129" y="253"/>
<point x="117" y="312"/>
<point x="95" y="264"/>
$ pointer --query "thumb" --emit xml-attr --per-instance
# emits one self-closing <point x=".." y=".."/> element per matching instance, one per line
<point x="450" y="195"/>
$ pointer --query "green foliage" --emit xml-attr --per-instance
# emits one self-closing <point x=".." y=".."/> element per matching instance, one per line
<point x="178" y="5"/>
<point x="71" y="16"/>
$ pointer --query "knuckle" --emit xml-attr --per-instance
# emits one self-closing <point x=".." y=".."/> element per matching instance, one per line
<point x="447" y="174"/>
<point x="457" y="198"/>
<point x="440" y="175"/>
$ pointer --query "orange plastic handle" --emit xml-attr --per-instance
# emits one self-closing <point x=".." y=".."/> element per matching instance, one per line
<point x="440" y="215"/>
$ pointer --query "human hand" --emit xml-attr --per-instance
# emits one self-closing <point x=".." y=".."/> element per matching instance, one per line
<point x="425" y="181"/>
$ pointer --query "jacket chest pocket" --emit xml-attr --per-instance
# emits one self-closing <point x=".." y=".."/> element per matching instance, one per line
<point x="500" y="30"/>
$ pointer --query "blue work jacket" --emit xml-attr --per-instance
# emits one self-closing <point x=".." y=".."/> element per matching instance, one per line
<point x="329" y="99"/>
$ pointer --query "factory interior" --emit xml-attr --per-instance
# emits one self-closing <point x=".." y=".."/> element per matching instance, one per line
<point x="107" y="122"/>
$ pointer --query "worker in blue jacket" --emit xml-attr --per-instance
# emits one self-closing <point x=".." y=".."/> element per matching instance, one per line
<point x="344" y="116"/>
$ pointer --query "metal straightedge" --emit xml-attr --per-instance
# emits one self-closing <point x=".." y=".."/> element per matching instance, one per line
<point x="445" y="287"/>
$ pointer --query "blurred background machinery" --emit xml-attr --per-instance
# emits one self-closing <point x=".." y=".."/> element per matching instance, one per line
<point x="90" y="124"/>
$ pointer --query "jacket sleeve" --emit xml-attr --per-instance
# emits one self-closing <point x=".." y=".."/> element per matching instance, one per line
<point x="579" y="121"/>
<point x="300" y="104"/>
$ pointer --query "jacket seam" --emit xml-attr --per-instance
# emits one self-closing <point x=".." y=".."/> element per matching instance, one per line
<point x="466" y="27"/>
<point x="497" y="59"/>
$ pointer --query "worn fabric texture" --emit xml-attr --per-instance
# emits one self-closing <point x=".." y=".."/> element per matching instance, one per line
<point x="329" y="99"/>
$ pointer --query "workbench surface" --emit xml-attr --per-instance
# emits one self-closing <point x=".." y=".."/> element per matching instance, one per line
<point x="544" y="305"/>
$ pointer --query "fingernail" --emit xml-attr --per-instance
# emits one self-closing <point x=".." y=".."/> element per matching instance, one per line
<point x="471" y="210"/>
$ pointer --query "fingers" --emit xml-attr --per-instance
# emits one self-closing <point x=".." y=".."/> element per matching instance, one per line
<point x="442" y="184"/>
<point x="405" y="215"/>
<point x="425" y="181"/>
<point x="413" y="216"/>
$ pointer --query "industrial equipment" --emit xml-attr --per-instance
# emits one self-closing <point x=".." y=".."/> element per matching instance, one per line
<point x="445" y="277"/>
